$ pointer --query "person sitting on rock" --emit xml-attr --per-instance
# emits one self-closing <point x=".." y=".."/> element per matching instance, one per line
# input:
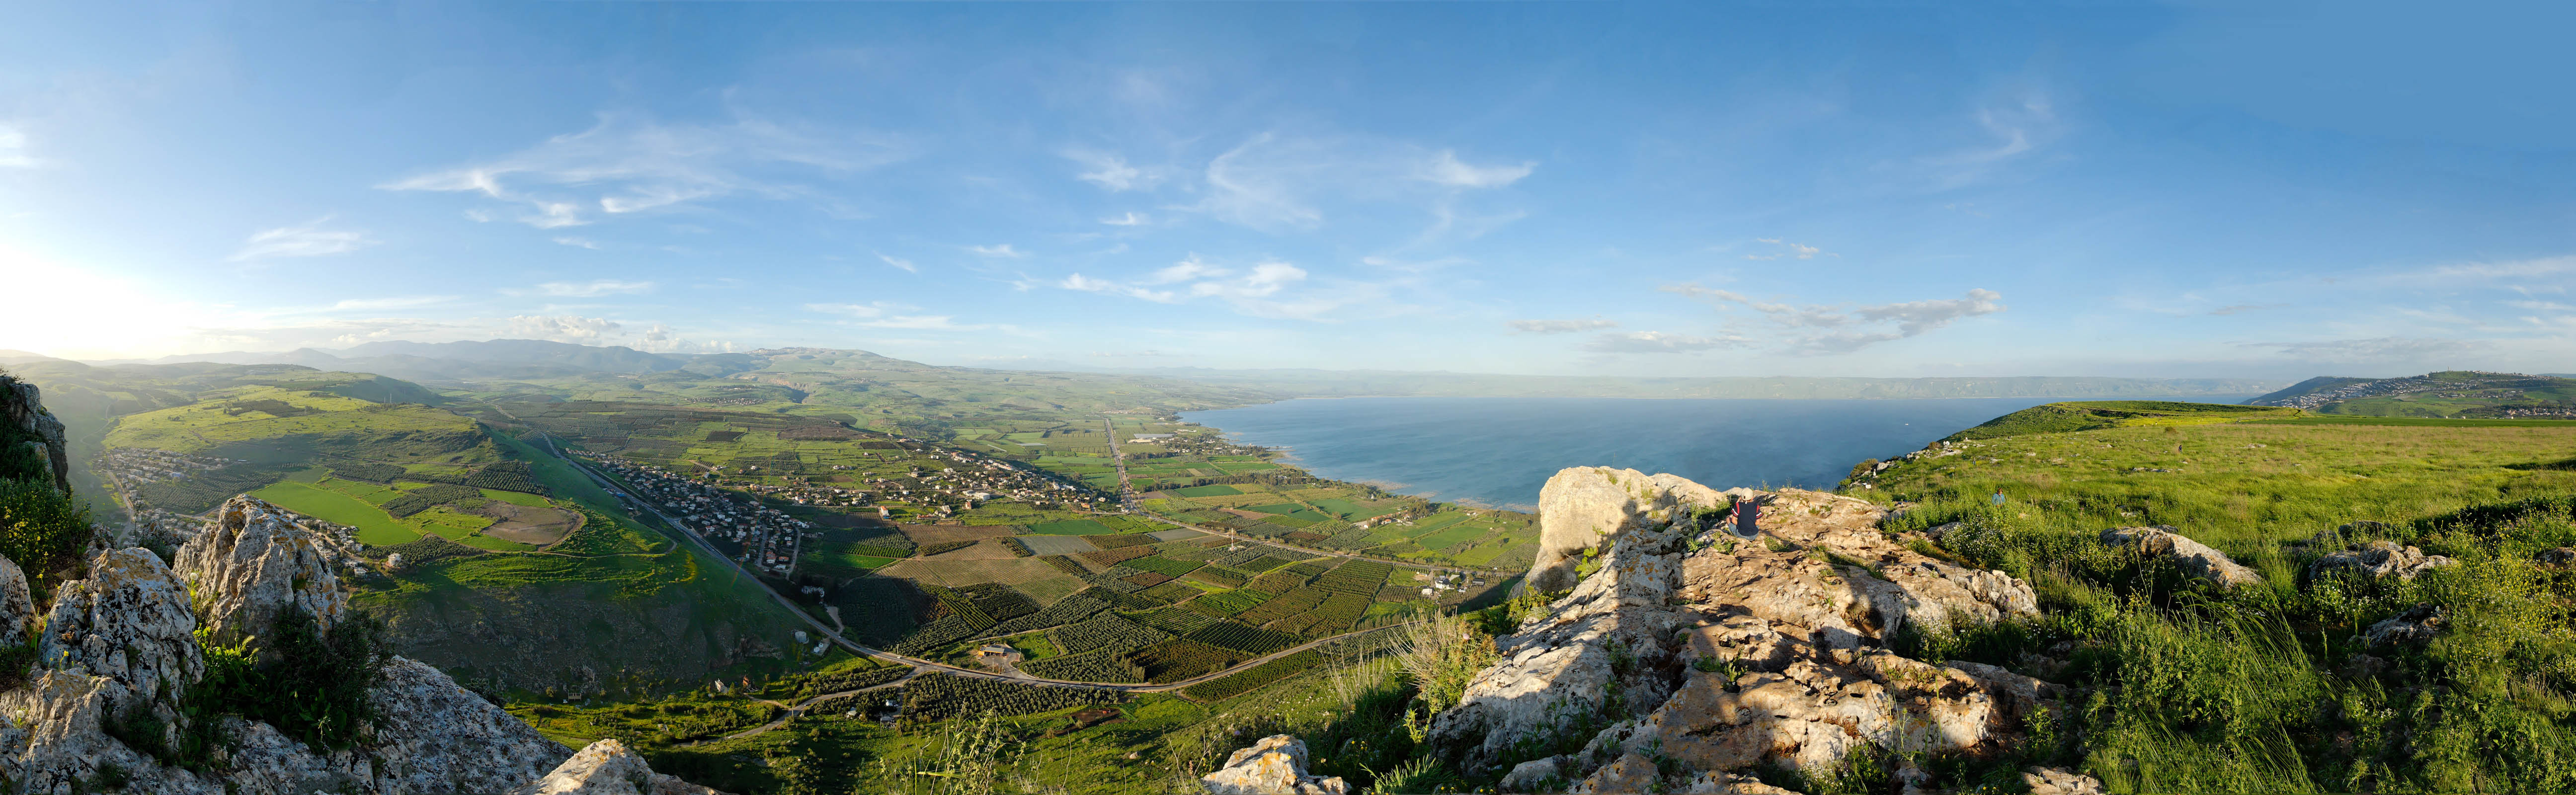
<point x="1749" y="519"/>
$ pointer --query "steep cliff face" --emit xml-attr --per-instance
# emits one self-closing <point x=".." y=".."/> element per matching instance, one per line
<point x="37" y="435"/>
<point x="1716" y="652"/>
<point x="253" y="563"/>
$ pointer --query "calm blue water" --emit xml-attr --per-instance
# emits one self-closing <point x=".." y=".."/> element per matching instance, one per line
<point x="1498" y="451"/>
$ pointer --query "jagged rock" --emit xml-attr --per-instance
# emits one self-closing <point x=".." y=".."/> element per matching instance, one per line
<point x="607" y="767"/>
<point x="1579" y="506"/>
<point x="128" y="622"/>
<point x="2380" y="559"/>
<point x="1274" y="766"/>
<point x="434" y="736"/>
<point x="254" y="562"/>
<point x="2417" y="625"/>
<point x="2055" y="781"/>
<point x="22" y="406"/>
<point x="56" y="739"/>
<point x="1754" y="651"/>
<point x="2195" y="558"/>
<point x="1613" y="633"/>
<point x="17" y="607"/>
<point x="1531" y="775"/>
<point x="1731" y="784"/>
<point x="1631" y="772"/>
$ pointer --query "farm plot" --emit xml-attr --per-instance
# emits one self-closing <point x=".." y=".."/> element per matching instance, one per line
<point x="1176" y="534"/>
<point x="1247" y="681"/>
<point x="1107" y="632"/>
<point x="1333" y="616"/>
<point x="1173" y="620"/>
<point x="1217" y="576"/>
<point x="1071" y="527"/>
<point x="1207" y="491"/>
<point x="1112" y="557"/>
<point x="938" y="697"/>
<point x="1182" y="659"/>
<point x="1055" y="545"/>
<point x="1102" y="665"/>
<point x="1358" y="576"/>
<point x="1029" y="574"/>
<point x="1287" y="606"/>
<point x="1065" y="611"/>
<point x="1164" y="566"/>
<point x="928" y="534"/>
<point x="1221" y="605"/>
<point x="1243" y="638"/>
<point x="1122" y="540"/>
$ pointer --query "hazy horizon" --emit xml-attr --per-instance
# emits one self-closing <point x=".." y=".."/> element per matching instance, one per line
<point x="1631" y="189"/>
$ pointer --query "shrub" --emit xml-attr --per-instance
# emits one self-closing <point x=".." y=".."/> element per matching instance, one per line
<point x="41" y="529"/>
<point x="310" y="684"/>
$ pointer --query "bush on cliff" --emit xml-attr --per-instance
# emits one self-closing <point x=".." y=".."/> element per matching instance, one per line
<point x="41" y="530"/>
<point x="310" y="684"/>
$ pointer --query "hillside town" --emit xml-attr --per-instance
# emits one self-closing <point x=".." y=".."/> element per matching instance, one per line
<point x="135" y="466"/>
<point x="757" y="536"/>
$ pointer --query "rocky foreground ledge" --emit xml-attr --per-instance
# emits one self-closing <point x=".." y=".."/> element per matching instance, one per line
<point x="1686" y="654"/>
<point x="120" y="647"/>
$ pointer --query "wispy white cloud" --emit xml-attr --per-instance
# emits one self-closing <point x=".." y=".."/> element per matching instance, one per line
<point x="1824" y="329"/>
<point x="1111" y="171"/>
<point x="884" y="314"/>
<point x="629" y="164"/>
<point x="1131" y="218"/>
<point x="2541" y="306"/>
<point x="1786" y="249"/>
<point x="1269" y="289"/>
<point x="563" y="328"/>
<point x="2376" y="350"/>
<point x="307" y="240"/>
<point x="1445" y="168"/>
<point x="898" y="262"/>
<point x="1003" y="250"/>
<point x="392" y="302"/>
<point x="13" y="148"/>
<point x="589" y="289"/>
<point x="1186" y="270"/>
<point x="1660" y="342"/>
<point x="578" y="242"/>
<point x="1562" y="326"/>
<point x="2238" y="309"/>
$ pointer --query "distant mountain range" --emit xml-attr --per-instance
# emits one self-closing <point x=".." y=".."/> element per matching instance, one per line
<point x="2449" y="393"/>
<point x="527" y="359"/>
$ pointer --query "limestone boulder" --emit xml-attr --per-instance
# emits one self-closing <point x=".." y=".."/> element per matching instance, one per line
<point x="57" y="740"/>
<point x="434" y="736"/>
<point x="2379" y="559"/>
<point x="608" y="767"/>
<point x="2194" y="558"/>
<point x="1276" y="765"/>
<point x="1608" y="650"/>
<point x="2413" y="627"/>
<point x="254" y="562"/>
<point x="1579" y="506"/>
<point x="17" y="606"/>
<point x="128" y="622"/>
<point x="1631" y="772"/>
<point x="2058" y="781"/>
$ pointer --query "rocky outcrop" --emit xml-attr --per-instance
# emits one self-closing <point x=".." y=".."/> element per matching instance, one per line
<point x="1580" y="506"/>
<point x="2054" y="781"/>
<point x="17" y="605"/>
<point x="253" y="563"/>
<point x="434" y="736"/>
<point x="2413" y="627"/>
<point x="22" y="410"/>
<point x="607" y="767"/>
<point x="1719" y="653"/>
<point x="1274" y="766"/>
<point x="2379" y="559"/>
<point x="2193" y="557"/>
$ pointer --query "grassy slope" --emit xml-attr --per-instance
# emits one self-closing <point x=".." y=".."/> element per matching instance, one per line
<point x="2256" y="690"/>
<point x="673" y="613"/>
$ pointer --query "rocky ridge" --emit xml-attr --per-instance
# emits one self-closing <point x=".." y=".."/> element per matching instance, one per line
<point x="1711" y="652"/>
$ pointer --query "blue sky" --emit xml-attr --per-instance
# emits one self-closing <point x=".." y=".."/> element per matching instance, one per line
<point x="1612" y="188"/>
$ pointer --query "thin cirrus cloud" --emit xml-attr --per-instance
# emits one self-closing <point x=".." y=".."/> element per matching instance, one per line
<point x="898" y="262"/>
<point x="626" y="163"/>
<point x="13" y="148"/>
<point x="1268" y="289"/>
<point x="1131" y="218"/>
<point x="1562" y="326"/>
<point x="883" y="314"/>
<point x="311" y="239"/>
<point x="1660" y="342"/>
<point x="1781" y="248"/>
<point x="1278" y="183"/>
<point x="1828" y="329"/>
<point x="589" y="289"/>
<point x="1002" y="250"/>
<point x="1111" y="172"/>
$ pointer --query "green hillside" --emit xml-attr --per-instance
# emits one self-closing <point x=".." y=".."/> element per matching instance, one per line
<point x="2090" y="415"/>
<point x="2449" y="393"/>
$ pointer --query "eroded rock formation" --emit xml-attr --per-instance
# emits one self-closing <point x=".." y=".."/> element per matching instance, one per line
<point x="255" y="562"/>
<point x="1692" y="645"/>
<point x="2194" y="558"/>
<point x="23" y="409"/>
<point x="1276" y="765"/>
<point x="2379" y="559"/>
<point x="607" y="767"/>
